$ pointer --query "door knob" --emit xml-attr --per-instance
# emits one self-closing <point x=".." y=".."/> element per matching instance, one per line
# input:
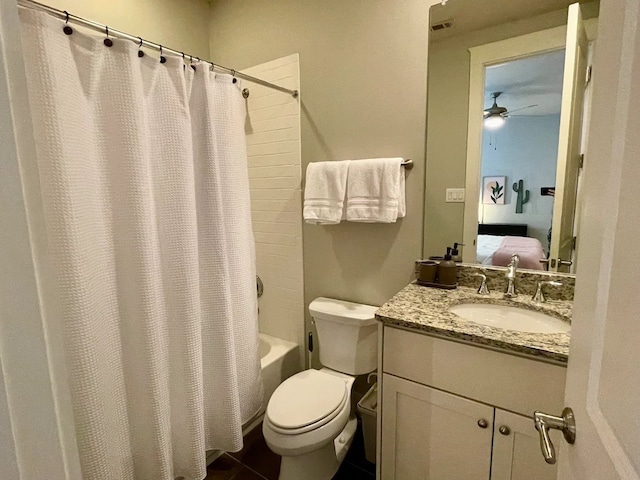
<point x="482" y="423"/>
<point x="504" y="430"/>
<point x="568" y="263"/>
<point x="544" y="422"/>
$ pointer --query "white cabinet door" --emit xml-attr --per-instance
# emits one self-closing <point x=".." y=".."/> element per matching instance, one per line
<point x="516" y="449"/>
<point x="431" y="435"/>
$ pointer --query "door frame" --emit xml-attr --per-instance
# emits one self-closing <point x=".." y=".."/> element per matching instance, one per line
<point x="482" y="56"/>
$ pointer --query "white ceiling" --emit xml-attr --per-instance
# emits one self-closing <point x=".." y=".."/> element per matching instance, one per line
<point x="528" y="81"/>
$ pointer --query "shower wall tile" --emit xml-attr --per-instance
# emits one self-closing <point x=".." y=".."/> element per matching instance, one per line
<point x="275" y="176"/>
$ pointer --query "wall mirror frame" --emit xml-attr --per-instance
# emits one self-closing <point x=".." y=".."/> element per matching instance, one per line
<point x="516" y="48"/>
<point x="525" y="40"/>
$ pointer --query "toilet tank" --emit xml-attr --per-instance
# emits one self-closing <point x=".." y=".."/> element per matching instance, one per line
<point x="347" y="335"/>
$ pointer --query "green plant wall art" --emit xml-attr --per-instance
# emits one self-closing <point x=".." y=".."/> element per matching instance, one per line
<point x="493" y="191"/>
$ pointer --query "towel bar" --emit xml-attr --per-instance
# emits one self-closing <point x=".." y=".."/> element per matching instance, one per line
<point x="408" y="164"/>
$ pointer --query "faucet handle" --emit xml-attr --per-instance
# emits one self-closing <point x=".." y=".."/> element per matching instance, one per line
<point x="538" y="297"/>
<point x="483" y="289"/>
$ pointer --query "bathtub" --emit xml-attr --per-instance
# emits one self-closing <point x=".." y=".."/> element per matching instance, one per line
<point x="279" y="359"/>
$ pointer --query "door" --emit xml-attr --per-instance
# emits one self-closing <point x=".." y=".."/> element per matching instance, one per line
<point x="428" y="434"/>
<point x="603" y="377"/>
<point x="569" y="142"/>
<point x="516" y="450"/>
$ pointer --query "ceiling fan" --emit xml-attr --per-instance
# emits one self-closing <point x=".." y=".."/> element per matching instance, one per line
<point x="494" y="116"/>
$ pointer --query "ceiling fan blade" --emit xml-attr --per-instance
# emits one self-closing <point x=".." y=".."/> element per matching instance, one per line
<point x="524" y="116"/>
<point x="523" y="108"/>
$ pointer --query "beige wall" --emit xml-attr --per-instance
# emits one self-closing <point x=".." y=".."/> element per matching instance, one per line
<point x="447" y="126"/>
<point x="179" y="25"/>
<point x="363" y="94"/>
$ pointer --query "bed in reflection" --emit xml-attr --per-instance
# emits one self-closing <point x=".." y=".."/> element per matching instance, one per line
<point x="497" y="242"/>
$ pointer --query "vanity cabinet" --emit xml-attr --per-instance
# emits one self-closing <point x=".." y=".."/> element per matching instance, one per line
<point x="516" y="449"/>
<point x="455" y="411"/>
<point x="434" y="435"/>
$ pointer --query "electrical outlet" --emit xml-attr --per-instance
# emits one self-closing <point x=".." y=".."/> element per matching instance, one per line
<point x="455" y="195"/>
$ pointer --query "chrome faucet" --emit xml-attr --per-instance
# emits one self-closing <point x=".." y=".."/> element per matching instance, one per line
<point x="539" y="297"/>
<point x="511" y="291"/>
<point x="482" y="289"/>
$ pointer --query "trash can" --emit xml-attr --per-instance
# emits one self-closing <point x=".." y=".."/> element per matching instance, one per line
<point x="367" y="408"/>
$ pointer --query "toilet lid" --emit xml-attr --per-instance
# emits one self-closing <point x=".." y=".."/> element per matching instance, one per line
<point x="305" y="399"/>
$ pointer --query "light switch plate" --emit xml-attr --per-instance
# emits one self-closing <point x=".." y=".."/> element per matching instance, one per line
<point x="455" y="195"/>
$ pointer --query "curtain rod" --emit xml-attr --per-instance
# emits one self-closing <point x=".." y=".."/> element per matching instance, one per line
<point x="145" y="43"/>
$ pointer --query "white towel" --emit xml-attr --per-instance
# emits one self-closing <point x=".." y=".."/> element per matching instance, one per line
<point x="376" y="191"/>
<point x="324" y="192"/>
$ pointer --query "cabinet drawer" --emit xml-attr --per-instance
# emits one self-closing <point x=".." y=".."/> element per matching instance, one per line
<point x="506" y="381"/>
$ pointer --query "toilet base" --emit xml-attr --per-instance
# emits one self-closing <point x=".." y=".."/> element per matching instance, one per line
<point x="321" y="464"/>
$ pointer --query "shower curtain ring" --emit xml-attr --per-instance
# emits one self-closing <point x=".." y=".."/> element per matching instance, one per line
<point x="235" y="80"/>
<point x="162" y="57"/>
<point x="107" y="41"/>
<point x="67" y="29"/>
<point x="140" y="52"/>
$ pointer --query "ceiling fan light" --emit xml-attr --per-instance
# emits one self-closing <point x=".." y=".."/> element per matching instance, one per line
<point x="493" y="122"/>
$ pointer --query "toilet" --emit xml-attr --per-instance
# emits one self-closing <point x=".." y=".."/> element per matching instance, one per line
<point x="309" y="419"/>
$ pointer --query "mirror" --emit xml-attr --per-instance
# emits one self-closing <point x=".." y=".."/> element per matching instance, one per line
<point x="487" y="60"/>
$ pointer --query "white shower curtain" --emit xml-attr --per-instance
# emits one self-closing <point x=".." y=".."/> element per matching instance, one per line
<point x="147" y="268"/>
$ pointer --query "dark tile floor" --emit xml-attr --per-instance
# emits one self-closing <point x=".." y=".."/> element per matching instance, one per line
<point x="256" y="462"/>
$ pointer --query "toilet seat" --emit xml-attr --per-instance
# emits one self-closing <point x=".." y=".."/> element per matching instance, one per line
<point x="306" y="401"/>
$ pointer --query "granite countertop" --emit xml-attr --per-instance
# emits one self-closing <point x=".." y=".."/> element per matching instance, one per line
<point x="426" y="310"/>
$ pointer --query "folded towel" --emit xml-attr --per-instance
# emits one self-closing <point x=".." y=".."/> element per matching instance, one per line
<point x="402" y="202"/>
<point x="324" y="192"/>
<point x="376" y="191"/>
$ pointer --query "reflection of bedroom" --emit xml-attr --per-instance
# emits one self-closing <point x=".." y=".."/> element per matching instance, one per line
<point x="522" y="152"/>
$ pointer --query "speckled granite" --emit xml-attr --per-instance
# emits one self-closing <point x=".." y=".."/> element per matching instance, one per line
<point x="427" y="310"/>
<point x="526" y="280"/>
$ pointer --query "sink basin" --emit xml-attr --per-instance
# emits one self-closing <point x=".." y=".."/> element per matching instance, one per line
<point x="510" y="318"/>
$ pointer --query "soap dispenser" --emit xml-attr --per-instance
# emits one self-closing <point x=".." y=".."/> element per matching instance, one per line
<point x="447" y="270"/>
<point x="455" y="253"/>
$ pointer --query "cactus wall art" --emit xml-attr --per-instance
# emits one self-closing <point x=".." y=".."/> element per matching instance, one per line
<point x="523" y="195"/>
